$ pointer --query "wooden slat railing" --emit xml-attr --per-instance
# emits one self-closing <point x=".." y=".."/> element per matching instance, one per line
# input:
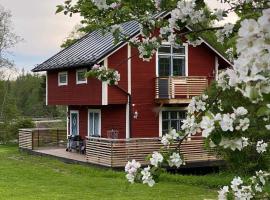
<point x="180" y="86"/>
<point x="42" y="137"/>
<point x="116" y="152"/>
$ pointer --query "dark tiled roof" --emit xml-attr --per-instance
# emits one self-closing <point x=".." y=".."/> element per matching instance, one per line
<point x="90" y="49"/>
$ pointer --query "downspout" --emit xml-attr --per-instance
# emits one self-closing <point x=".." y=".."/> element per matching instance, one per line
<point x="130" y="108"/>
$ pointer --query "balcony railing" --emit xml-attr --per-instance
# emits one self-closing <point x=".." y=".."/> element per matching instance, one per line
<point x="180" y="87"/>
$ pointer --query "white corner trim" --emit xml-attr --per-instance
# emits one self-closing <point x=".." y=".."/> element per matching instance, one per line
<point x="186" y="57"/>
<point x="46" y="76"/>
<point x="67" y="110"/>
<point x="104" y="97"/>
<point x="80" y="82"/>
<point x="99" y="123"/>
<point x="216" y="67"/>
<point x="129" y="68"/>
<point x="127" y="121"/>
<point x="78" y="121"/>
<point x="160" y="123"/>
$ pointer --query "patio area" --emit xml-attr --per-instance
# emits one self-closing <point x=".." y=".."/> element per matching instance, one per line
<point x="108" y="152"/>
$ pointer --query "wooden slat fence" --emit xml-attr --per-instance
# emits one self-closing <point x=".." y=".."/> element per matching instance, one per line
<point x="116" y="152"/>
<point x="42" y="137"/>
<point x="180" y="86"/>
<point x="25" y="139"/>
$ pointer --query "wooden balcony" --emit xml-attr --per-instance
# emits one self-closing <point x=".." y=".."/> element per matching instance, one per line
<point x="179" y="89"/>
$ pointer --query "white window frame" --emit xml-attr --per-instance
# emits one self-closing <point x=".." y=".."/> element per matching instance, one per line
<point x="62" y="73"/>
<point x="70" y="121"/>
<point x="167" y="109"/>
<point x="78" y="81"/>
<point x="186" y="58"/>
<point x="88" y="120"/>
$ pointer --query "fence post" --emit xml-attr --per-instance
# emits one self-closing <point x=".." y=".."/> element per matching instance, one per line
<point x="38" y="139"/>
<point x="32" y="135"/>
<point x="57" y="137"/>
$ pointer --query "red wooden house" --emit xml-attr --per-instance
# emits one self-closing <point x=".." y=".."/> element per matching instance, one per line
<point x="150" y="98"/>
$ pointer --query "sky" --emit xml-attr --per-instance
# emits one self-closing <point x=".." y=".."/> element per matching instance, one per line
<point x="42" y="30"/>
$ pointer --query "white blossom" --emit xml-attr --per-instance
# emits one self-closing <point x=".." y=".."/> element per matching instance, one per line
<point x="156" y="159"/>
<point x="207" y="125"/>
<point x="226" y="123"/>
<point x="235" y="183"/>
<point x="240" y="111"/>
<point x="147" y="177"/>
<point x="222" y="193"/>
<point x="132" y="167"/>
<point x="233" y="144"/>
<point x="261" y="146"/>
<point x="243" y="124"/>
<point x="175" y="160"/>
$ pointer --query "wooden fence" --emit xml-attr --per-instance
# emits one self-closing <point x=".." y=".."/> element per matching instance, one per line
<point x="42" y="137"/>
<point x="116" y="152"/>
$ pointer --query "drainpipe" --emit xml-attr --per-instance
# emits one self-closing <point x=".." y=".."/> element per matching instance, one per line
<point x="130" y="108"/>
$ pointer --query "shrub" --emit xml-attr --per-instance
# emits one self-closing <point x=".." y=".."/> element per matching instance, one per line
<point x="247" y="160"/>
<point x="10" y="129"/>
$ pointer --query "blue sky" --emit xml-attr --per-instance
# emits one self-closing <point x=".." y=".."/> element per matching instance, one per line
<point x="42" y="31"/>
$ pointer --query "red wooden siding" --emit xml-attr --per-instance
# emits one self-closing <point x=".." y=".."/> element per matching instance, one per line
<point x="143" y="94"/>
<point x="73" y="94"/>
<point x="118" y="61"/>
<point x="112" y="117"/>
<point x="201" y="61"/>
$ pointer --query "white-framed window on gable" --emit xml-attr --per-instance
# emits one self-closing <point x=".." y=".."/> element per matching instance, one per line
<point x="94" y="122"/>
<point x="172" y="61"/>
<point x="80" y="76"/>
<point x="62" y="78"/>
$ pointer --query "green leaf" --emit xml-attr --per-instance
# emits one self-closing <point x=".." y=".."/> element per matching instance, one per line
<point x="263" y="111"/>
<point x="59" y="9"/>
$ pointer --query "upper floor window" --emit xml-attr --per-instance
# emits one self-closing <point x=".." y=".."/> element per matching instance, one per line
<point x="171" y="61"/>
<point x="62" y="78"/>
<point x="80" y="76"/>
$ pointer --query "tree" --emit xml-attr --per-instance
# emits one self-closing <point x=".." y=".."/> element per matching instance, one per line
<point x="7" y="37"/>
<point x="232" y="127"/>
<point x="74" y="36"/>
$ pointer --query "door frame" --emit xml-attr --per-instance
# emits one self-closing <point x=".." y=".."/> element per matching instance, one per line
<point x="70" y="121"/>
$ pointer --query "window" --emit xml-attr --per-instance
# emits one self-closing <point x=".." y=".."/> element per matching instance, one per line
<point x="94" y="123"/>
<point x="62" y="78"/>
<point x="80" y="76"/>
<point x="171" y="61"/>
<point x="172" y="120"/>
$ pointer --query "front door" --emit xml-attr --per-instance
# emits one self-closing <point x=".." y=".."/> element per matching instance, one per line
<point x="74" y="123"/>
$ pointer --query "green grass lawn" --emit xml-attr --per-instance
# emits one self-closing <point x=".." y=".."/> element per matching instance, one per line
<point x="29" y="177"/>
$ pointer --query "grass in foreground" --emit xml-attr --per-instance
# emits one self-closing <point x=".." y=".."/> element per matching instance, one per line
<point x="29" y="177"/>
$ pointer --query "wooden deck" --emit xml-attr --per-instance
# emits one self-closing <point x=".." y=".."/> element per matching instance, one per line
<point x="62" y="153"/>
<point x="113" y="153"/>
